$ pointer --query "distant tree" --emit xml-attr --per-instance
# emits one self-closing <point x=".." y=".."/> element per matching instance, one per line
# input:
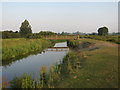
<point x="103" y="31"/>
<point x="115" y="33"/>
<point x="25" y="28"/>
<point x="93" y="33"/>
<point x="10" y="34"/>
<point x="58" y="33"/>
<point x="62" y="33"/>
<point x="46" y="33"/>
<point x="16" y="31"/>
<point x="65" y="33"/>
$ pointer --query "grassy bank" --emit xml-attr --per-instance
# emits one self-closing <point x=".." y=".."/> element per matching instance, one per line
<point x="56" y="73"/>
<point x="109" y="38"/>
<point x="94" y="64"/>
<point x="99" y="69"/>
<point x="12" y="48"/>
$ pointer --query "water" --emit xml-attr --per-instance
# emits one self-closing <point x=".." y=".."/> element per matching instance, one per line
<point x="33" y="63"/>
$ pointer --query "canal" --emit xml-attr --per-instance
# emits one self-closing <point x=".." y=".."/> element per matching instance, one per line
<point x="33" y="63"/>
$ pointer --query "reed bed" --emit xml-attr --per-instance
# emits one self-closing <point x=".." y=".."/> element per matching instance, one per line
<point x="50" y="79"/>
<point x="73" y="43"/>
<point x="12" y="48"/>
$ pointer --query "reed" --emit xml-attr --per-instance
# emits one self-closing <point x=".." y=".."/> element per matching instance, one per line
<point x="4" y="84"/>
<point x="73" y="43"/>
<point x="50" y="79"/>
<point x="43" y="76"/>
<point x="12" y="48"/>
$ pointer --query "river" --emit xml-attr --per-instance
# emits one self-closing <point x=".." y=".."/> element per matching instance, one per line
<point x="33" y="63"/>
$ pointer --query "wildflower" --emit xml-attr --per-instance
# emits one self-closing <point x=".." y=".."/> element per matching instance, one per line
<point x="75" y="77"/>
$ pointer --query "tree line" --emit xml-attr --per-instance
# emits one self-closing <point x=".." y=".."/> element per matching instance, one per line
<point x="26" y="32"/>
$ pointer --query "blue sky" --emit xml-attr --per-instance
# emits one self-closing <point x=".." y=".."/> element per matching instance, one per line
<point x="60" y="16"/>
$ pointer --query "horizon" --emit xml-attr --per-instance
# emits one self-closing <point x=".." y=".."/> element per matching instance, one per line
<point x="57" y="17"/>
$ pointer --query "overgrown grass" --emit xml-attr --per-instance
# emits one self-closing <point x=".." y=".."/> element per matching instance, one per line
<point x="15" y="49"/>
<point x="12" y="48"/>
<point x="77" y="44"/>
<point x="73" y="43"/>
<point x="51" y="78"/>
<point x="99" y="69"/>
<point x="110" y="38"/>
<point x="46" y="80"/>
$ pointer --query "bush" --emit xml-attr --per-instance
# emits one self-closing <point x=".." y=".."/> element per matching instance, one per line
<point x="72" y="43"/>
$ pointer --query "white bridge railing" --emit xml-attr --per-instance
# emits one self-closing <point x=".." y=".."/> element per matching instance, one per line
<point x="57" y="49"/>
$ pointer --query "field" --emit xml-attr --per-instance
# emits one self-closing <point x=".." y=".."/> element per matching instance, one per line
<point x="109" y="38"/>
<point x="99" y="69"/>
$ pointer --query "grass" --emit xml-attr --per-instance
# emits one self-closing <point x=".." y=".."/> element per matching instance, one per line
<point x="83" y="68"/>
<point x="51" y="78"/>
<point x="12" y="48"/>
<point x="100" y="69"/>
<point x="72" y="43"/>
<point x="46" y="80"/>
<point x="110" y="38"/>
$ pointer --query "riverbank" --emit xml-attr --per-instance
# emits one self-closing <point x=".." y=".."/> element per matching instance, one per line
<point x="99" y="69"/>
<point x="91" y="64"/>
<point x="14" y="49"/>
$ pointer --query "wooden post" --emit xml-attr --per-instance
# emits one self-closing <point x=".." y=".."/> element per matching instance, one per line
<point x="56" y="36"/>
<point x="78" y="36"/>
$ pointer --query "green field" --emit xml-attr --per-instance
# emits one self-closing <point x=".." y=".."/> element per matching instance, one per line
<point x="109" y="38"/>
<point x="99" y="69"/>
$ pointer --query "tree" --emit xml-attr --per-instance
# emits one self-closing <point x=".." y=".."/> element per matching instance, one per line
<point x="46" y="33"/>
<point x="25" y="28"/>
<point x="103" y="31"/>
<point x="10" y="34"/>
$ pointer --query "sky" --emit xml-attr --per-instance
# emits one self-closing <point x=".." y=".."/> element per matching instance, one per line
<point x="70" y="17"/>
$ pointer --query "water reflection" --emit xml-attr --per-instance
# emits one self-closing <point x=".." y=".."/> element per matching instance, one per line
<point x="33" y="63"/>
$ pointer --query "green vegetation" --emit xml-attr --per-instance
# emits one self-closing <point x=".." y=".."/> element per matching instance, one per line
<point x="99" y="69"/>
<point x="103" y="31"/>
<point x="25" y="28"/>
<point x="15" y="49"/>
<point x="72" y="43"/>
<point x="10" y="34"/>
<point x="110" y="38"/>
<point x="70" y="65"/>
<point x="12" y="48"/>
<point x="46" y="80"/>
<point x="78" y="45"/>
<point x="46" y="33"/>
<point x="85" y="68"/>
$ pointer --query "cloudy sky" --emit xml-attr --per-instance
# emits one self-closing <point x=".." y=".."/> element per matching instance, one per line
<point x="60" y="16"/>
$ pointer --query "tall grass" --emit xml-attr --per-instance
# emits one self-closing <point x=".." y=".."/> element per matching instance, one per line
<point x="46" y="80"/>
<point x="12" y="48"/>
<point x="73" y="43"/>
<point x="51" y="78"/>
<point x="4" y="84"/>
<point x="110" y="38"/>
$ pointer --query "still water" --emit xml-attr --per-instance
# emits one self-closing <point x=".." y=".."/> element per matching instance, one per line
<point x="33" y="63"/>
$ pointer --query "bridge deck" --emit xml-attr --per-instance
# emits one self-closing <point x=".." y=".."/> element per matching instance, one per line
<point x="57" y="47"/>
